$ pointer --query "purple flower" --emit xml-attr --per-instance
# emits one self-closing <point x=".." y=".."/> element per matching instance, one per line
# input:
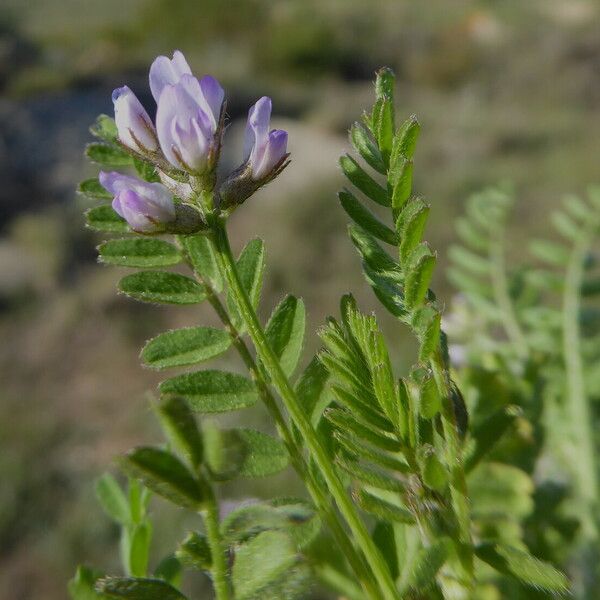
<point x="264" y="150"/>
<point x="134" y="126"/>
<point x="165" y="71"/>
<point x="187" y="120"/>
<point x="145" y="206"/>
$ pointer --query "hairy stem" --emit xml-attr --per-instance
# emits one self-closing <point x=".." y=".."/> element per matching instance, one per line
<point x="458" y="481"/>
<point x="290" y="400"/>
<point x="579" y="408"/>
<point x="217" y="549"/>
<point x="318" y="494"/>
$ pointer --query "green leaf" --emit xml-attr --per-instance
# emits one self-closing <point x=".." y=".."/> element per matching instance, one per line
<point x="367" y="148"/>
<point x="285" y="332"/>
<point x="104" y="218"/>
<point x="410" y="226"/>
<point x="550" y="252"/>
<point x="430" y="401"/>
<point x="418" y="280"/>
<point x="82" y="586"/>
<point x="138" y="252"/>
<point x="162" y="287"/>
<point x="383" y="122"/>
<point x="382" y="509"/>
<point x="181" y="428"/>
<point x="194" y="552"/>
<point x="310" y="389"/>
<point x="346" y="422"/>
<point x="363" y="181"/>
<point x="262" y="561"/>
<point x="146" y="170"/>
<point x="93" y="189"/>
<point x="202" y="256"/>
<point x="224" y="451"/>
<point x="250" y="266"/>
<point x="524" y="567"/>
<point x="133" y="588"/>
<point x="164" y="474"/>
<point x="169" y="569"/>
<point x="264" y="454"/>
<point x="428" y="562"/>
<point x="369" y="475"/>
<point x="181" y="347"/>
<point x="365" y="411"/>
<point x="405" y="140"/>
<point x="105" y="128"/>
<point x="139" y="549"/>
<point x="361" y="216"/>
<point x="108" y="156"/>
<point x="384" y="538"/>
<point x="212" y="391"/>
<point x="435" y="475"/>
<point x="401" y="181"/>
<point x="112" y="499"/>
<point x="371" y="252"/>
<point x="295" y="517"/>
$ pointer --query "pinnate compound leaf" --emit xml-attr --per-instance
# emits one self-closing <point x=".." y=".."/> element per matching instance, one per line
<point x="194" y="552"/>
<point x="133" y="588"/>
<point x="108" y="156"/>
<point x="361" y="216"/>
<point x="112" y="499"/>
<point x="93" y="189"/>
<point x="363" y="181"/>
<point x="524" y="567"/>
<point x="104" y="218"/>
<point x="180" y="427"/>
<point x="187" y="346"/>
<point x="164" y="474"/>
<point x="212" y="391"/>
<point x="82" y="586"/>
<point x="202" y="256"/>
<point x="285" y="332"/>
<point x="162" y="287"/>
<point x="261" y="562"/>
<point x="139" y="252"/>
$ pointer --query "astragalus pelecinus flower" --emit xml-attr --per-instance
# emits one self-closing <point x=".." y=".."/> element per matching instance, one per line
<point x="188" y="117"/>
<point x="147" y="207"/>
<point x="134" y="126"/>
<point x="265" y="156"/>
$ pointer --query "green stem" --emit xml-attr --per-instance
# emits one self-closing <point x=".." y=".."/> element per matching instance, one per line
<point x="288" y="396"/>
<point x="502" y="295"/>
<point x="458" y="481"/>
<point x="316" y="491"/>
<point x="581" y="419"/>
<point x="217" y="550"/>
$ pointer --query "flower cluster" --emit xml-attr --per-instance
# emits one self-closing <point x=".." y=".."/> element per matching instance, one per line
<point x="184" y="144"/>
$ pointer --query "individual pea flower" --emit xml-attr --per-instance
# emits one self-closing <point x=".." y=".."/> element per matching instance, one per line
<point x="188" y="122"/>
<point x="265" y="156"/>
<point x="134" y="126"/>
<point x="147" y="207"/>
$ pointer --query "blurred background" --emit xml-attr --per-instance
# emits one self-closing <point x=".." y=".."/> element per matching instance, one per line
<point x="504" y="91"/>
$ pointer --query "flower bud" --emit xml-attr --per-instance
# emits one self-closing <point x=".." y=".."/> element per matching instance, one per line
<point x="265" y="156"/>
<point x="188" y="123"/>
<point x="147" y="207"/>
<point x="264" y="150"/>
<point x="134" y="126"/>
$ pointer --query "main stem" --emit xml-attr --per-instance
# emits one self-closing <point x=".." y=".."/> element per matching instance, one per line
<point x="288" y="396"/>
<point x="217" y="550"/>
<point x="316" y="491"/>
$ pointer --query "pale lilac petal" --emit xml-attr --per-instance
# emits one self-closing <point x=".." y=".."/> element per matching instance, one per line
<point x="134" y="125"/>
<point x="114" y="181"/>
<point x="257" y="130"/>
<point x="275" y="150"/>
<point x="134" y="211"/>
<point x="165" y="71"/>
<point x="214" y="95"/>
